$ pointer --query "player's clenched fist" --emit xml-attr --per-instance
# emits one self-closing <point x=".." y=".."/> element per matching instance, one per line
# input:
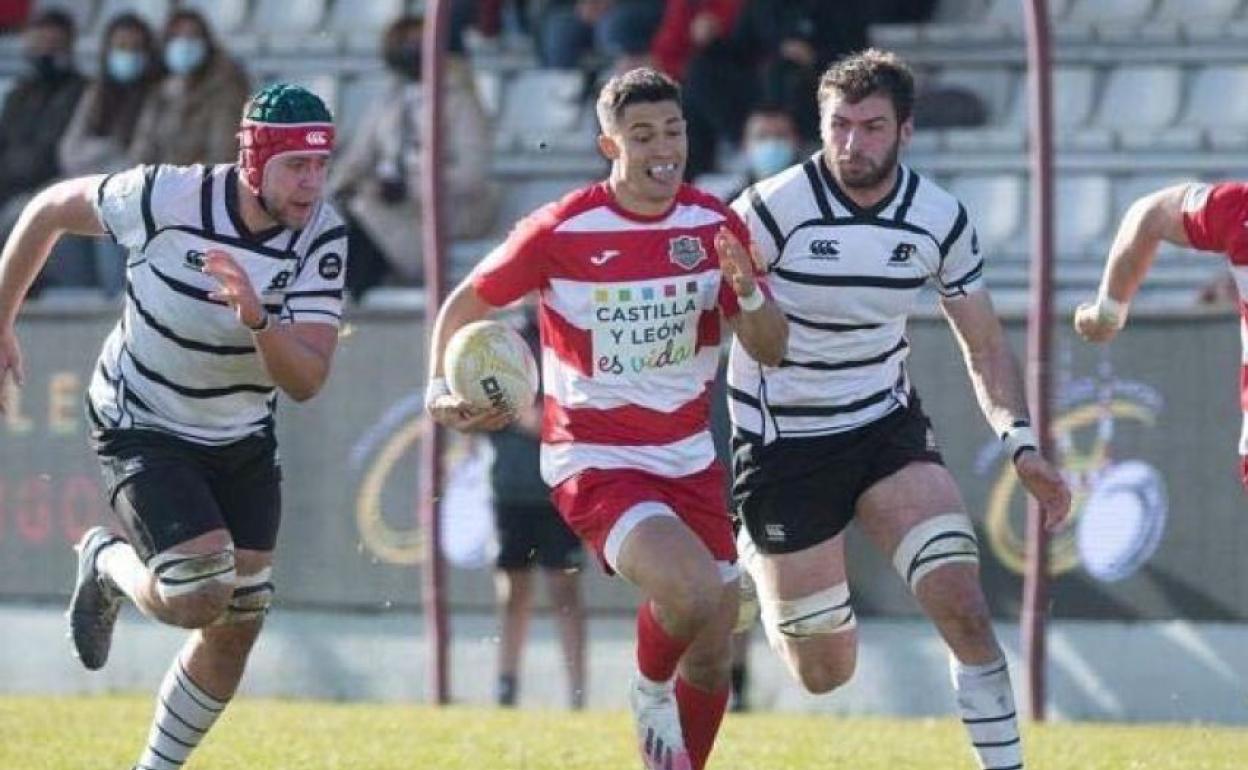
<point x="235" y="287"/>
<point x="1099" y="321"/>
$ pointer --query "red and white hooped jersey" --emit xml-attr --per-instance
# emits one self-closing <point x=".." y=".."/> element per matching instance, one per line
<point x="1215" y="217"/>
<point x="630" y="327"/>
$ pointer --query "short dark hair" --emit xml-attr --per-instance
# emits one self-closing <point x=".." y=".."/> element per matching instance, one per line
<point x="639" y="86"/>
<point x="867" y="73"/>
<point x="55" y="17"/>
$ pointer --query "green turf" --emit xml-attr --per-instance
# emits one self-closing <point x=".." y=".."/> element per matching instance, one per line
<point x="104" y="733"/>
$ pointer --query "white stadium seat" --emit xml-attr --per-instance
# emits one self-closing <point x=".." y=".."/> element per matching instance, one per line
<point x="1186" y="11"/>
<point x="1140" y="101"/>
<point x="1009" y="13"/>
<point x="291" y="25"/>
<point x="361" y="24"/>
<point x="1109" y="11"/>
<point x="1081" y="213"/>
<point x="995" y="203"/>
<point x="1215" y="98"/>
<point x="356" y="98"/>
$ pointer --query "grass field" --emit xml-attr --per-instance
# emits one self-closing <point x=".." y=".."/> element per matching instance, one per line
<point x="104" y="733"/>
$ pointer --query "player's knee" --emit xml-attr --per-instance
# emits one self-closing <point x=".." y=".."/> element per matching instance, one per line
<point x="934" y="544"/>
<point x="692" y="606"/>
<point x="194" y="590"/>
<point x="826" y="673"/>
<point x="823" y="613"/>
<point x="962" y="613"/>
<point x="250" y="599"/>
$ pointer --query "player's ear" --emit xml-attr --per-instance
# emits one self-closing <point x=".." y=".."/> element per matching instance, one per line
<point x="609" y="147"/>
<point x="906" y="131"/>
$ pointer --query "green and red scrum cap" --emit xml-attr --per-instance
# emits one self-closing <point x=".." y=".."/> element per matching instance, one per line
<point x="279" y="120"/>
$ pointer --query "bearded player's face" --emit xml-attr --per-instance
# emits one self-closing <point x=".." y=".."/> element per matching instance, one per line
<point x="649" y="151"/>
<point x="293" y="185"/>
<point x="861" y="140"/>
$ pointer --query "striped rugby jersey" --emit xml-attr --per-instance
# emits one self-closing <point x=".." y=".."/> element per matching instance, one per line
<point x="1215" y="217"/>
<point x="177" y="361"/>
<point x="847" y="278"/>
<point x="630" y="327"/>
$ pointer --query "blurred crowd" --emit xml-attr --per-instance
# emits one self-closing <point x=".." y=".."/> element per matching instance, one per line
<point x="174" y="95"/>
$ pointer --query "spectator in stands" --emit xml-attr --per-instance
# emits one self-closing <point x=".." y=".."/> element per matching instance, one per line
<point x="100" y="134"/>
<point x="615" y="29"/>
<point x="193" y="116"/>
<point x="378" y="176"/>
<point x="689" y="46"/>
<point x="35" y="114"/>
<point x="791" y="43"/>
<point x="531" y="532"/>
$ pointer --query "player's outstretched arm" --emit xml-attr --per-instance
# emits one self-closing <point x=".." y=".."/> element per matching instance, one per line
<point x="1150" y="220"/>
<point x="760" y="326"/>
<point x="998" y="384"/>
<point x="65" y="207"/>
<point x="463" y="306"/>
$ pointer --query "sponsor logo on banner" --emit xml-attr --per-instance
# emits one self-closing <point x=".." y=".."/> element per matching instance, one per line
<point x="647" y="325"/>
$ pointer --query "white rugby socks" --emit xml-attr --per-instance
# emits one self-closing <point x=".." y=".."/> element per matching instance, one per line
<point x="184" y="714"/>
<point x="986" y="704"/>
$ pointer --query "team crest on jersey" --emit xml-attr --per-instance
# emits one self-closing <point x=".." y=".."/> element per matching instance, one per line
<point x="686" y="251"/>
<point x="330" y="266"/>
<point x="902" y="254"/>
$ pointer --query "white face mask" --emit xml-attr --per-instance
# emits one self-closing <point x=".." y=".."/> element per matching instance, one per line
<point x="125" y="66"/>
<point x="770" y="155"/>
<point x="183" y="55"/>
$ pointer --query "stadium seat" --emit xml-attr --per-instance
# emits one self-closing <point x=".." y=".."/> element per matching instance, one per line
<point x="1073" y="93"/>
<point x="1081" y="213"/>
<point x="226" y="16"/>
<point x="1009" y="13"/>
<point x="1214" y="107"/>
<point x="288" y="26"/>
<point x="994" y="85"/>
<point x="1109" y="11"/>
<point x="1189" y="11"/>
<point x="995" y="203"/>
<point x="359" y="25"/>
<point x="557" y="122"/>
<point x="1139" y="101"/>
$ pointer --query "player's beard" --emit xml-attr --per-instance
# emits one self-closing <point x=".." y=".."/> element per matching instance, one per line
<point x="873" y="172"/>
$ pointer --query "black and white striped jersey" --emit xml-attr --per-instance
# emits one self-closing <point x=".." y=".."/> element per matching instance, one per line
<point x="178" y="361"/>
<point x="847" y="278"/>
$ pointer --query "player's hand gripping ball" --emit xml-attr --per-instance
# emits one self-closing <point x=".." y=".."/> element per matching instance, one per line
<point x="489" y="365"/>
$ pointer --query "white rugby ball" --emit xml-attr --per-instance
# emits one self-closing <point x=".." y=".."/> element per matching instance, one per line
<point x="487" y="363"/>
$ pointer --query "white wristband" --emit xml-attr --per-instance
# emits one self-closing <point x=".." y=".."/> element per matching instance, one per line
<point x="436" y="388"/>
<point x="1109" y="309"/>
<point x="752" y="301"/>
<point x="1018" y="438"/>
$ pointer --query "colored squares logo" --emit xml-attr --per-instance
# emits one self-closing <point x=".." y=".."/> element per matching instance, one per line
<point x="602" y="296"/>
<point x="669" y="290"/>
<point x="647" y="293"/>
<point x="626" y="295"/>
<point x="691" y="287"/>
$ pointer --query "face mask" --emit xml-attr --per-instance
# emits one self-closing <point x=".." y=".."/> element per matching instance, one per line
<point x="125" y="66"/>
<point x="47" y="66"/>
<point x="404" y="60"/>
<point x="183" y="55"/>
<point x="770" y="156"/>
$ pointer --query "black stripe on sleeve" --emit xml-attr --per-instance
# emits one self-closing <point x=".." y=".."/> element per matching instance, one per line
<point x="908" y="198"/>
<point x="737" y="394"/>
<point x="205" y="200"/>
<point x="329" y="293"/>
<point x="332" y="234"/>
<point x="99" y="205"/>
<point x="145" y="202"/>
<point x="764" y="216"/>
<point x="817" y="189"/>
<point x="301" y="311"/>
<point x="958" y="287"/>
<point x="958" y="226"/>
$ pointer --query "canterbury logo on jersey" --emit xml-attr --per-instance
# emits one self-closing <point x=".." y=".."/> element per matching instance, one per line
<point x="317" y="138"/>
<point x="826" y="249"/>
<point x="195" y="260"/>
<point x="903" y="253"/>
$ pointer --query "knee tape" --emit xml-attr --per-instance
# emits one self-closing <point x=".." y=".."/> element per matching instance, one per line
<point x="825" y="612"/>
<point x="253" y="594"/>
<point x="931" y="544"/>
<point x="180" y="574"/>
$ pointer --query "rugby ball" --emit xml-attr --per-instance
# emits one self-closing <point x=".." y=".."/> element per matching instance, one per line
<point x="488" y="364"/>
